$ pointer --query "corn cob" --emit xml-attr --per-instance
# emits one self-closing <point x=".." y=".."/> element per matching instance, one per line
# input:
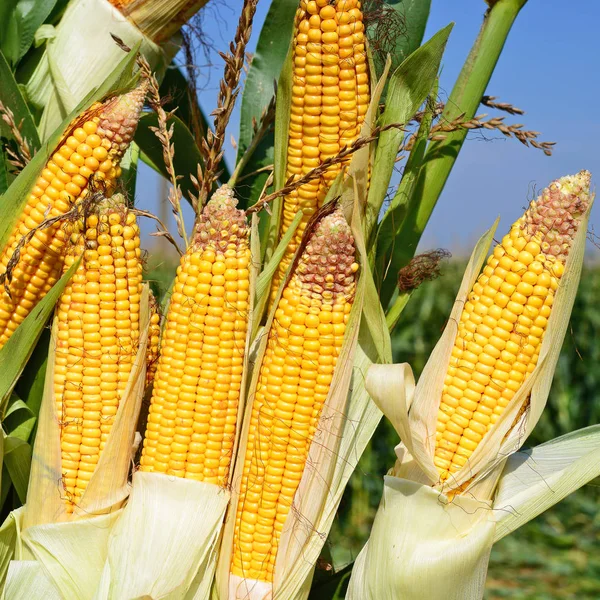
<point x="98" y="333"/>
<point x="193" y="410"/>
<point x="90" y="149"/>
<point x="504" y="320"/>
<point x="330" y="97"/>
<point x="302" y="349"/>
<point x="153" y="340"/>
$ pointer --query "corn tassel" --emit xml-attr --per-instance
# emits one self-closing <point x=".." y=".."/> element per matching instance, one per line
<point x="504" y="320"/>
<point x="89" y="151"/>
<point x="98" y="333"/>
<point x="330" y="97"/>
<point x="193" y="411"/>
<point x="295" y="376"/>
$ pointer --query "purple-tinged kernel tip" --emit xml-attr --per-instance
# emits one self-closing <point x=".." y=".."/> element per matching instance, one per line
<point x="221" y="222"/>
<point x="554" y="218"/>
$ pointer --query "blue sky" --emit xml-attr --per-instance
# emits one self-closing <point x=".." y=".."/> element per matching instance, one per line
<point x="549" y="68"/>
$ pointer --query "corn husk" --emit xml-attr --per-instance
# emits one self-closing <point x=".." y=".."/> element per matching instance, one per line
<point x="165" y="534"/>
<point x="79" y="56"/>
<point x="421" y="545"/>
<point x="72" y="549"/>
<point x="428" y="541"/>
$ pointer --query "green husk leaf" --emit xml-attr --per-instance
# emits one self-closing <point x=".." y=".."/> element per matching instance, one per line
<point x="17" y="350"/>
<point x="27" y="579"/>
<point x="423" y="546"/>
<point x="282" y="123"/>
<point x="389" y="227"/>
<point x="9" y="541"/>
<point x="63" y="77"/>
<point x="535" y="479"/>
<point x="408" y="88"/>
<point x="263" y="282"/>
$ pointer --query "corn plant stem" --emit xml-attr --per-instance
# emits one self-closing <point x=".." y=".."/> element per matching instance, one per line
<point x="464" y="100"/>
<point x="256" y="140"/>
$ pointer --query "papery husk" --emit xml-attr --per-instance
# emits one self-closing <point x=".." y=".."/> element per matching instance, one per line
<point x="26" y="580"/>
<point x="80" y="56"/>
<point x="535" y="479"/>
<point x="416" y="427"/>
<point x="166" y="532"/>
<point x="72" y="548"/>
<point x="423" y="546"/>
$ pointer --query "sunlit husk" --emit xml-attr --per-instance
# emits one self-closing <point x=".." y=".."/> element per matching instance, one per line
<point x="81" y="54"/>
<point x="27" y="579"/>
<point x="167" y="531"/>
<point x="58" y="540"/>
<point x="417" y="425"/>
<point x="423" y="546"/>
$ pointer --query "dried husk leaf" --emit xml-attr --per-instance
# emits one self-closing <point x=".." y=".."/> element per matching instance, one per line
<point x="166" y="532"/>
<point x="81" y="55"/>
<point x="108" y="485"/>
<point x="535" y="479"/>
<point x="423" y="546"/>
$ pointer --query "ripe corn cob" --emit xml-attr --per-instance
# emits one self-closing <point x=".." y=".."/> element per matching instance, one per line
<point x="193" y="410"/>
<point x="504" y="320"/>
<point x="90" y="149"/>
<point x="330" y="97"/>
<point x="303" y="345"/>
<point x="98" y="333"/>
<point x="153" y="340"/>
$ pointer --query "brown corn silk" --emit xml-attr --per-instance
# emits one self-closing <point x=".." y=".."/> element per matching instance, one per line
<point x="152" y="350"/>
<point x="88" y="153"/>
<point x="194" y="406"/>
<point x="304" y="342"/>
<point x="330" y="98"/>
<point x="98" y="334"/>
<point x="504" y="320"/>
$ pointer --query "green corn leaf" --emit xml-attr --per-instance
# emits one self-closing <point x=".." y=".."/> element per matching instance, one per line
<point x="187" y="154"/>
<point x="408" y="88"/>
<point x="11" y="98"/>
<point x="17" y="460"/>
<point x="397" y="31"/>
<point x="17" y="350"/>
<point x="20" y="20"/>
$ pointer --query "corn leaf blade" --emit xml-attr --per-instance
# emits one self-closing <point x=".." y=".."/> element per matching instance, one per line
<point x="408" y="88"/>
